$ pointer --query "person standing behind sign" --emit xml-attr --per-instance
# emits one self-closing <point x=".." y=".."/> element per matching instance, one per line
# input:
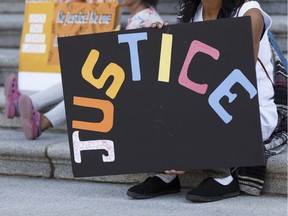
<point x="222" y="185"/>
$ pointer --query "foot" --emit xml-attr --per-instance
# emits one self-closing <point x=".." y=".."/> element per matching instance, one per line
<point x="210" y="190"/>
<point x="12" y="95"/>
<point x="153" y="187"/>
<point x="30" y="118"/>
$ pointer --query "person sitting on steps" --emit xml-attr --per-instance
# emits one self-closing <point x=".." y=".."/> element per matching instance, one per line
<point x="221" y="184"/>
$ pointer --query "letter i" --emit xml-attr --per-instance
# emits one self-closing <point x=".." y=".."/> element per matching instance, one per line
<point x="165" y="58"/>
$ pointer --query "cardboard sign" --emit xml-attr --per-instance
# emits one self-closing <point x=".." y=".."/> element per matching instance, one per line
<point x="183" y="98"/>
<point x="78" y="19"/>
<point x="44" y="21"/>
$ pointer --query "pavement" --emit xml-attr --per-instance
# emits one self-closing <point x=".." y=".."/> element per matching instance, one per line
<point x="21" y="196"/>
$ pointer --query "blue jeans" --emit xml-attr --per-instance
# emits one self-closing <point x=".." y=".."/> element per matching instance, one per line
<point x="277" y="49"/>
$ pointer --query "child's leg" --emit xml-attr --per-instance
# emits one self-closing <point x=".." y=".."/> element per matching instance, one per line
<point x="49" y="96"/>
<point x="167" y="178"/>
<point x="57" y="115"/>
<point x="33" y="122"/>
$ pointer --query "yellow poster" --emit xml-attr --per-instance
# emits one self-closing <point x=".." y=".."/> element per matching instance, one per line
<point x="44" y="21"/>
<point x="80" y="18"/>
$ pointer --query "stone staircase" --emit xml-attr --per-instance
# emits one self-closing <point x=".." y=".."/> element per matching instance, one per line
<point x="11" y="19"/>
<point x="49" y="156"/>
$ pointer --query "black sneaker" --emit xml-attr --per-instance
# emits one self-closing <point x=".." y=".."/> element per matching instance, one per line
<point x="210" y="190"/>
<point x="153" y="187"/>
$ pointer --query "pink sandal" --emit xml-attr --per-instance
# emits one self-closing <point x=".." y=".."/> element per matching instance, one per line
<point x="12" y="95"/>
<point x="30" y="118"/>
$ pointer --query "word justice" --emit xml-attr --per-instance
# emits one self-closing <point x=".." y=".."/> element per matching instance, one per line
<point x="118" y="74"/>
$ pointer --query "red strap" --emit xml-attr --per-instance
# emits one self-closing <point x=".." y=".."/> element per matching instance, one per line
<point x="258" y="59"/>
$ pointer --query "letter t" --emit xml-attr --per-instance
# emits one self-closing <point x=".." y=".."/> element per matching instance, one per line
<point x="132" y="40"/>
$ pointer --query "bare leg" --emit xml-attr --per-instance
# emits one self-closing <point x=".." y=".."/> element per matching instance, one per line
<point x="45" y="123"/>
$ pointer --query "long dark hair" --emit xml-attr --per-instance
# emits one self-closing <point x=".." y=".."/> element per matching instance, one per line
<point x="151" y="2"/>
<point x="188" y="9"/>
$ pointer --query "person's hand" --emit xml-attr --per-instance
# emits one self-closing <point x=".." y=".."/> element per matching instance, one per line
<point x="159" y="25"/>
<point x="177" y="172"/>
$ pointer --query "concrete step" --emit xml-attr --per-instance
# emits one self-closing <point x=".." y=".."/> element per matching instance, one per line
<point x="49" y="157"/>
<point x="10" y="30"/>
<point x="8" y="63"/>
<point x="12" y="6"/>
<point x="274" y="7"/>
<point x="49" y="197"/>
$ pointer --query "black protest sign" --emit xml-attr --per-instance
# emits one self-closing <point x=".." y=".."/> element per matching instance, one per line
<point x="183" y="97"/>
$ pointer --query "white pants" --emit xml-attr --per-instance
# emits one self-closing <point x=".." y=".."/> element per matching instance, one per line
<point x="51" y="96"/>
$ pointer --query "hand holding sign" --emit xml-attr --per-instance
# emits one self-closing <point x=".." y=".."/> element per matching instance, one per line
<point x="161" y="115"/>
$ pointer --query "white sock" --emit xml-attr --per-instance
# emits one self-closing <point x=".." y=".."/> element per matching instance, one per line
<point x="167" y="178"/>
<point x="224" y="181"/>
